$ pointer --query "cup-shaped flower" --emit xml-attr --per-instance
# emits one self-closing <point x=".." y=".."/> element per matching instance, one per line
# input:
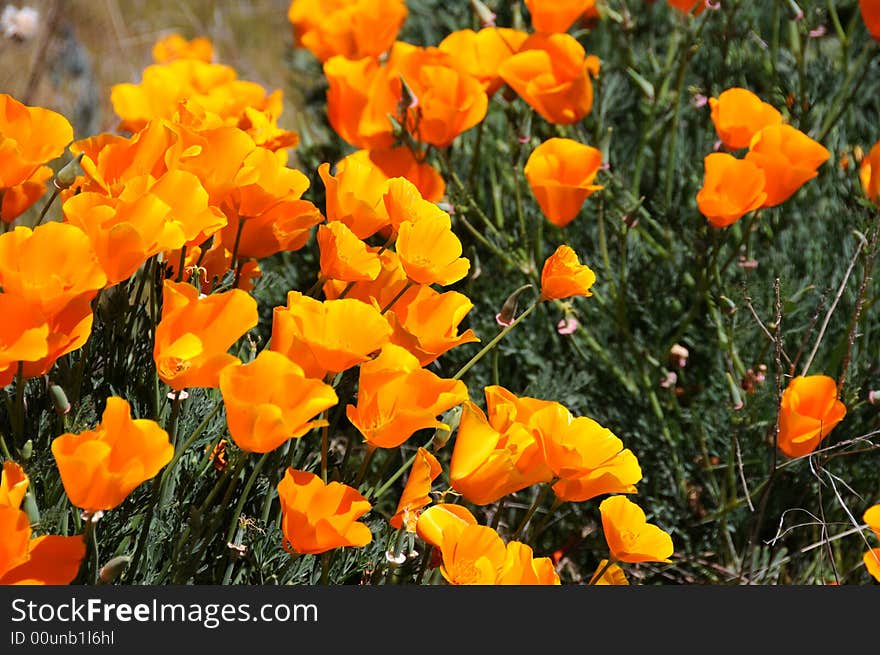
<point x="551" y="73"/>
<point x="24" y="335"/>
<point x="738" y="115"/>
<point x="174" y="46"/>
<point x="317" y="517"/>
<point x="344" y="256"/>
<point x="473" y="556"/>
<point x="430" y="252"/>
<point x="629" y="536"/>
<point x="490" y="461"/>
<point x="437" y="519"/>
<point x="809" y="411"/>
<point x="869" y="173"/>
<point x="563" y="275"/>
<point x="269" y="401"/>
<point x="731" y="189"/>
<point x="871" y="15"/>
<point x="353" y="29"/>
<point x="588" y="459"/>
<point x="25" y="559"/>
<point x="789" y="159"/>
<point x="396" y="398"/>
<point x="354" y="196"/>
<point x="328" y="336"/>
<point x="416" y="493"/>
<point x="521" y="567"/>
<point x="872" y="518"/>
<point x="556" y="15"/>
<point x="482" y="53"/>
<point x="100" y="467"/>
<point x="560" y="173"/>
<point x="427" y="325"/>
<point x="872" y="557"/>
<point x="447" y="100"/>
<point x="29" y="138"/>
<point x="195" y="333"/>
<point x="387" y="286"/>
<point x="404" y="202"/>
<point x="400" y="161"/>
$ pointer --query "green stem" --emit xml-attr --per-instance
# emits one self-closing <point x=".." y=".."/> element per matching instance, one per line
<point x="239" y="507"/>
<point x="45" y="209"/>
<point x="539" y="499"/>
<point x="365" y="465"/>
<point x="598" y="575"/>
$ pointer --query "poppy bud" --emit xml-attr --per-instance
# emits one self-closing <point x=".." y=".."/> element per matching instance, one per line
<point x="508" y="311"/>
<point x="65" y="178"/>
<point x="59" y="400"/>
<point x="441" y="435"/>
<point x="27" y="450"/>
<point x="113" y="569"/>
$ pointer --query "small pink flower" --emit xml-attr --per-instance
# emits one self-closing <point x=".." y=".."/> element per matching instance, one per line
<point x="669" y="380"/>
<point x="567" y="325"/>
<point x="714" y="6"/>
<point x="749" y="264"/>
<point x="699" y="100"/>
<point x="818" y="32"/>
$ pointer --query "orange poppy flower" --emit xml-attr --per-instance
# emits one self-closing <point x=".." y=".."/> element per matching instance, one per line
<point x="588" y="459"/>
<point x="174" y="46"/>
<point x="688" y="6"/>
<point x="396" y="398"/>
<point x="809" y="411"/>
<point x="353" y="28"/>
<point x="446" y="99"/>
<point x="613" y="574"/>
<point x="400" y="161"/>
<point x="441" y="517"/>
<point x="521" y="567"/>
<point x="24" y="335"/>
<point x="560" y="173"/>
<point x="416" y="493"/>
<point x="563" y="275"/>
<point x="473" y="556"/>
<point x="329" y="336"/>
<point x="64" y="294"/>
<point x="427" y="325"/>
<point x="629" y="536"/>
<point x="354" y="196"/>
<point x="195" y="333"/>
<point x="494" y="456"/>
<point x="551" y="73"/>
<point x="24" y="559"/>
<point x="208" y="268"/>
<point x="557" y="15"/>
<point x="29" y="138"/>
<point x="738" y="115"/>
<point x="386" y="287"/>
<point x="731" y="189"/>
<point x="344" y="256"/>
<point x="872" y="518"/>
<point x="317" y="517"/>
<point x="269" y="401"/>
<point x="869" y="173"/>
<point x="788" y="157"/>
<point x="871" y="15"/>
<point x="429" y="251"/>
<point x="872" y="557"/>
<point x="481" y="53"/>
<point x="100" y="468"/>
<point x="359" y="100"/>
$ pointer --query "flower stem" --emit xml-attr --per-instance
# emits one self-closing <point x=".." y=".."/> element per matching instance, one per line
<point x="539" y="499"/>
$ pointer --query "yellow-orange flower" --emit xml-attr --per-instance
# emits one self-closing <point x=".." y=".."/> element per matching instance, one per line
<point x="354" y="196"/>
<point x="563" y="275"/>
<point x="560" y="173"/>
<point x="29" y="138"/>
<point x="629" y="536"/>
<point x="344" y="256"/>
<point x="396" y="398"/>
<point x="269" y="401"/>
<point x="871" y="15"/>
<point x="317" y="517"/>
<point x="738" y="115"/>
<point x="329" y="336"/>
<point x="788" y="157"/>
<point x="440" y="518"/>
<point x="587" y="459"/>
<point x="25" y="559"/>
<point x="429" y="251"/>
<point x="400" y="161"/>
<point x="521" y="567"/>
<point x="551" y="73"/>
<point x="481" y="53"/>
<point x="416" y="493"/>
<point x="731" y="189"/>
<point x="809" y="411"/>
<point x="872" y="557"/>
<point x="869" y="173"/>
<point x="24" y="335"/>
<point x="195" y="333"/>
<point x="611" y="574"/>
<point x="872" y="518"/>
<point x="174" y="46"/>
<point x="557" y="15"/>
<point x="351" y="28"/>
<point x="100" y="467"/>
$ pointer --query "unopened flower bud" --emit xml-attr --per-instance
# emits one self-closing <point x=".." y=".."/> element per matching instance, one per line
<point x="507" y="314"/>
<point x="441" y="435"/>
<point x="678" y="356"/>
<point x="27" y="450"/>
<point x="65" y="178"/>
<point x="113" y="569"/>
<point x="59" y="400"/>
